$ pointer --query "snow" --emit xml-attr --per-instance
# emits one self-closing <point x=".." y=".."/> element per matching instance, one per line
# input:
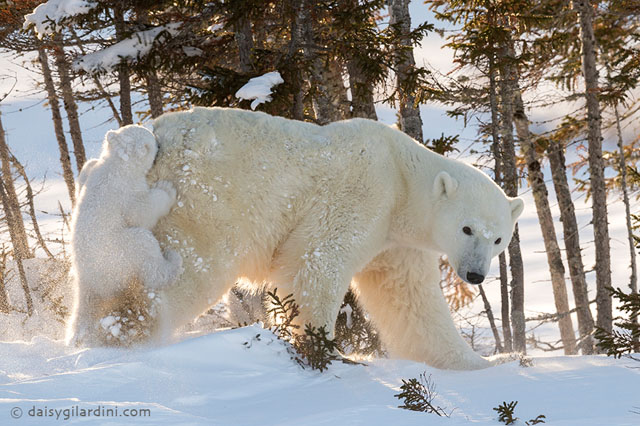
<point x="245" y="377"/>
<point x="130" y="49"/>
<point x="259" y="88"/>
<point x="47" y="16"/>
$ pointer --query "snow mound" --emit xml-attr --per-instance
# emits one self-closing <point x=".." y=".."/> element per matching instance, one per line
<point x="131" y="49"/>
<point x="259" y="88"/>
<point x="245" y="376"/>
<point x="47" y="16"/>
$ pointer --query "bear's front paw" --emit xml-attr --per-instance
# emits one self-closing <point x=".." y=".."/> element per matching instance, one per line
<point x="166" y="186"/>
<point x="174" y="259"/>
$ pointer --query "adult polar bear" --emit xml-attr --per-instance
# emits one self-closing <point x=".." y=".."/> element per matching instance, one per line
<point x="311" y="209"/>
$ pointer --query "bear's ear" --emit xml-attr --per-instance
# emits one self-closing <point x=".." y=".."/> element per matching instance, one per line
<point x="444" y="186"/>
<point x="517" y="206"/>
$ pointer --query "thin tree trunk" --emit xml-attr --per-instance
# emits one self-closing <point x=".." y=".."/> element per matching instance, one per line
<point x="5" y="306"/>
<point x="32" y="209"/>
<point x="324" y="79"/>
<point x="99" y="85"/>
<point x="70" y="106"/>
<point x="124" y="76"/>
<point x="65" y="160"/>
<point x="545" y="218"/>
<point x="361" y="92"/>
<point x="492" y="321"/>
<point x="154" y="89"/>
<point x="555" y="153"/>
<point x="596" y="167"/>
<point x="510" y="179"/>
<point x="410" y="120"/>
<point x="298" y="25"/>
<point x="633" y="279"/>
<point x="154" y="93"/>
<point x="17" y="255"/>
<point x="244" y="40"/>
<point x="497" y="156"/>
<point x="504" y="300"/>
<point x="14" y="220"/>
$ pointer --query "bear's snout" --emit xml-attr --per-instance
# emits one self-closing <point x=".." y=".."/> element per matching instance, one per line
<point x="474" y="278"/>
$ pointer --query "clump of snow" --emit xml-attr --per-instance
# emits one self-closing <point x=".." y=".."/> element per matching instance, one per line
<point x="47" y="16"/>
<point x="131" y="49"/>
<point x="259" y="88"/>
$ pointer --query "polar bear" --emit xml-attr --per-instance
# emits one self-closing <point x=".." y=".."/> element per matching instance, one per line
<point x="112" y="247"/>
<point x="314" y="209"/>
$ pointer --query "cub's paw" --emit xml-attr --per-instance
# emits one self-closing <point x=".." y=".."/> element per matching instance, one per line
<point x="174" y="258"/>
<point x="168" y="188"/>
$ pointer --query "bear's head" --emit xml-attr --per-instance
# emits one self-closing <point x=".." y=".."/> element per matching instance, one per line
<point x="473" y="222"/>
<point x="134" y="145"/>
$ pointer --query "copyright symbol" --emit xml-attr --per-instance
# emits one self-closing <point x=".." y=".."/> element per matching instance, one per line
<point x="16" y="412"/>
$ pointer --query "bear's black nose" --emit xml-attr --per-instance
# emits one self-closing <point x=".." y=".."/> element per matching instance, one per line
<point x="474" y="278"/>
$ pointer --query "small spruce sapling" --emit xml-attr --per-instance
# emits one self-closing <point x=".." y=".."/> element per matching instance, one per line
<point x="617" y="343"/>
<point x="506" y="414"/>
<point x="354" y="332"/>
<point x="418" y="395"/>
<point x="314" y="348"/>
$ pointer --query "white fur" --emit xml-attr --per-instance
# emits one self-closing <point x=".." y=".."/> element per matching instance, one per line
<point x="311" y="209"/>
<point x="111" y="239"/>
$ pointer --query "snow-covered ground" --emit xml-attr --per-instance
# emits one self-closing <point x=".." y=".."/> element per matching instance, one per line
<point x="246" y="377"/>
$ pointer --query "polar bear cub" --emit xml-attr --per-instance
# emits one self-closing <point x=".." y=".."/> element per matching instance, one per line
<point x="112" y="243"/>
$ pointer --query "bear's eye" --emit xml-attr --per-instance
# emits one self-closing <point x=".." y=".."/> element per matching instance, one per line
<point x="498" y="241"/>
<point x="467" y="230"/>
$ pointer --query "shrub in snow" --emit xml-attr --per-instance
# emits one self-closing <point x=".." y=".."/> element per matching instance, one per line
<point x="506" y="414"/>
<point x="314" y="348"/>
<point x="355" y="334"/>
<point x="259" y="88"/>
<point x="418" y="395"/>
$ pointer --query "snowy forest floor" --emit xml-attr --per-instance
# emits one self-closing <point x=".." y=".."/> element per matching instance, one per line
<point x="245" y="376"/>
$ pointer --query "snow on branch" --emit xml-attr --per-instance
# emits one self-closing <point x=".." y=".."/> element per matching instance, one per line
<point x="259" y="88"/>
<point x="47" y="16"/>
<point x="131" y="49"/>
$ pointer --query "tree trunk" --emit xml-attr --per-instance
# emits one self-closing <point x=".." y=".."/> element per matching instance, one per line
<point x="361" y="92"/>
<point x="244" y="40"/>
<point x="596" y="166"/>
<point x="15" y="241"/>
<point x="65" y="160"/>
<point x="14" y="216"/>
<point x="545" y="218"/>
<point x="633" y="279"/>
<point x="124" y="77"/>
<point x="64" y="70"/>
<point x="555" y="153"/>
<point x="510" y="179"/>
<point x="492" y="321"/>
<point x="410" y="120"/>
<point x="504" y="301"/>
<point x="154" y="89"/>
<point x="154" y="93"/>
<point x="298" y="83"/>
<point x="5" y="307"/>
<point x="497" y="170"/>
<point x="32" y="208"/>
<point x="99" y="86"/>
